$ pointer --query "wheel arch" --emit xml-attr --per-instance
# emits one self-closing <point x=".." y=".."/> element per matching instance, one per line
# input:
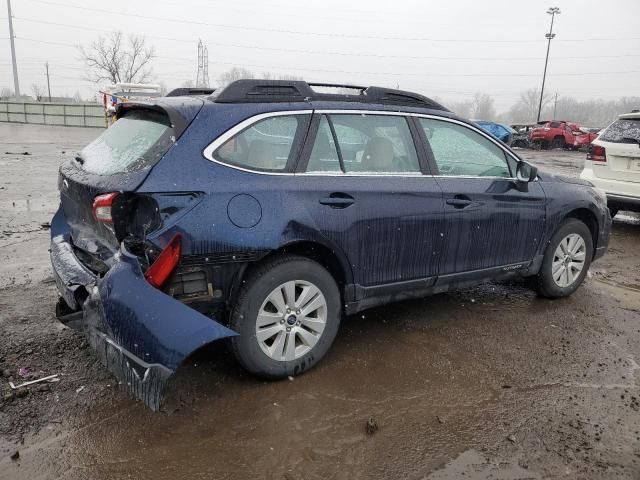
<point x="334" y="262"/>
<point x="587" y="217"/>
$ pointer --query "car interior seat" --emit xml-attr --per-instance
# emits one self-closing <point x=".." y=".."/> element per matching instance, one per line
<point x="262" y="154"/>
<point x="378" y="155"/>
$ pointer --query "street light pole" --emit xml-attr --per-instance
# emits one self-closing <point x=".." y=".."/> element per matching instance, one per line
<point x="46" y="65"/>
<point x="551" y="11"/>
<point x="16" y="85"/>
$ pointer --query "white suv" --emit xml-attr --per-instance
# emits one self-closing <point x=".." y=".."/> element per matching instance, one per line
<point x="613" y="163"/>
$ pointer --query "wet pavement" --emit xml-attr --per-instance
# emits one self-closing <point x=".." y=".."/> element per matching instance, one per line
<point x="491" y="382"/>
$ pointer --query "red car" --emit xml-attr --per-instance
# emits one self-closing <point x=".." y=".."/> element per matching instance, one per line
<point x="561" y="134"/>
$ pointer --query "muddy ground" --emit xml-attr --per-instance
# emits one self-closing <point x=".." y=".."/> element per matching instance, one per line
<point x="491" y="382"/>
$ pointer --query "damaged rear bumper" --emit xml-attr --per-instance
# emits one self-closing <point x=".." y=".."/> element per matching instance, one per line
<point x="139" y="333"/>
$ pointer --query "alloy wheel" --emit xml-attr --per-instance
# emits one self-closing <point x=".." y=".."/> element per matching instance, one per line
<point x="291" y="320"/>
<point x="568" y="260"/>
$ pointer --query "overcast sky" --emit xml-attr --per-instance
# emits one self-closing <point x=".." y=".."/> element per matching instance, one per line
<point x="446" y="49"/>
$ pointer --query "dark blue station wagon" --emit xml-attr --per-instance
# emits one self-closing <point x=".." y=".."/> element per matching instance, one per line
<point x="266" y="211"/>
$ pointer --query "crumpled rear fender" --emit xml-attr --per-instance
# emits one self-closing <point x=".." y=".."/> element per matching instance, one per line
<point x="140" y="333"/>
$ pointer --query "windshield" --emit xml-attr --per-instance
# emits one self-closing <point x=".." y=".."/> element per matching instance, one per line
<point x="622" y="131"/>
<point x="135" y="141"/>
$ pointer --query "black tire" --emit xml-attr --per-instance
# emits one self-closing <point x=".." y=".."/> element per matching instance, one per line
<point x="558" y="142"/>
<point x="613" y="211"/>
<point x="257" y="288"/>
<point x="546" y="285"/>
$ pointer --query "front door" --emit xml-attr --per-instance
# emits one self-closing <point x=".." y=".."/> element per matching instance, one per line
<point x="489" y="222"/>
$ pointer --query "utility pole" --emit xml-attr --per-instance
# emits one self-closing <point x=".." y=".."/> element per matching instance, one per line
<point x="48" y="84"/>
<point x="555" y="104"/>
<point x="16" y="85"/>
<point x="551" y="11"/>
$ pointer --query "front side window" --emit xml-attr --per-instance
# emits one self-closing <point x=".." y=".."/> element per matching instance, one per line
<point x="460" y="151"/>
<point x="625" y="130"/>
<point x="265" y="145"/>
<point x="368" y="144"/>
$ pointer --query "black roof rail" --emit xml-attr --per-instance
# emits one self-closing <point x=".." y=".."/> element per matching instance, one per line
<point x="190" y="91"/>
<point x="254" y="91"/>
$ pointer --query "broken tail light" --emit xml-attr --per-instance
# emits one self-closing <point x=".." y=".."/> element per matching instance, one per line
<point x="160" y="270"/>
<point x="102" y="207"/>
<point x="596" y="153"/>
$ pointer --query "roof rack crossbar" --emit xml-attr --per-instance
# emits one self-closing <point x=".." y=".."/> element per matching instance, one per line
<point x="254" y="91"/>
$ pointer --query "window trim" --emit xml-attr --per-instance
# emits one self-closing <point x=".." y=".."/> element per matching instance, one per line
<point x="208" y="151"/>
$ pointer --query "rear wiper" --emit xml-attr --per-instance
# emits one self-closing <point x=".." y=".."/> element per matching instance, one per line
<point x="78" y="158"/>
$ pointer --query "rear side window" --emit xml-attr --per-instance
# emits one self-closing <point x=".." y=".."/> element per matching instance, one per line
<point x="266" y="145"/>
<point x="554" y="125"/>
<point x="369" y="144"/>
<point x="625" y="130"/>
<point x="138" y="139"/>
<point x="460" y="151"/>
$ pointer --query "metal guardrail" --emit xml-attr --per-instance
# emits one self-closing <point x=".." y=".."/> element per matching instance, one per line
<point x="65" y="114"/>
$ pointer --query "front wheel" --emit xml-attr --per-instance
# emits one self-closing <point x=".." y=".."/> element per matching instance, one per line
<point x="566" y="260"/>
<point x="287" y="316"/>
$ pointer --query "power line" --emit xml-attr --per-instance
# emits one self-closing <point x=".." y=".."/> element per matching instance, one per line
<point x="394" y="74"/>
<point x="322" y="52"/>
<point x="317" y="34"/>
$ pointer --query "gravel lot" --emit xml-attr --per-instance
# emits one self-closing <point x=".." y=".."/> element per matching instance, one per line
<point x="491" y="382"/>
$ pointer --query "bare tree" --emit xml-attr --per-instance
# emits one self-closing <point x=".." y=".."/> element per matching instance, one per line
<point x="37" y="91"/>
<point x="482" y="107"/>
<point x="117" y="59"/>
<point x="526" y="108"/>
<point x="236" y="73"/>
<point x="462" y="108"/>
<point x="6" y="93"/>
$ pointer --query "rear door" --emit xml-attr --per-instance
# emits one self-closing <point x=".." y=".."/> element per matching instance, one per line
<point x="621" y="141"/>
<point x="489" y="222"/>
<point x="363" y="185"/>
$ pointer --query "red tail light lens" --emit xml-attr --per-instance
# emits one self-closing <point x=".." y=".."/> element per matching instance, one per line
<point x="102" y="207"/>
<point x="596" y="153"/>
<point x="160" y="271"/>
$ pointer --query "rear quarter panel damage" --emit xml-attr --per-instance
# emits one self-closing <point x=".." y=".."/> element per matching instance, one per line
<point x="140" y="333"/>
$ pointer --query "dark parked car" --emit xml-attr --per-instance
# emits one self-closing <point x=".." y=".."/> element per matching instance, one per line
<point x="266" y="212"/>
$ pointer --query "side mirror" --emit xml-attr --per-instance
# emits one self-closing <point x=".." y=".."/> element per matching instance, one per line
<point x="525" y="173"/>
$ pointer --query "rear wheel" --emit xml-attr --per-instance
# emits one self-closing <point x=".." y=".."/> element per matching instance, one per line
<point x="558" y="142"/>
<point x="287" y="316"/>
<point x="566" y="260"/>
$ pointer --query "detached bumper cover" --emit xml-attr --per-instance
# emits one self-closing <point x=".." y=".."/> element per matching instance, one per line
<point x="139" y="333"/>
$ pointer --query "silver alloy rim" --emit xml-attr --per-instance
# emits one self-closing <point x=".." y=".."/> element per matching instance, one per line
<point x="291" y="320"/>
<point x="568" y="260"/>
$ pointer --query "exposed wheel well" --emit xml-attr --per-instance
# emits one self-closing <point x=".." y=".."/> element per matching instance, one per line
<point x="589" y="219"/>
